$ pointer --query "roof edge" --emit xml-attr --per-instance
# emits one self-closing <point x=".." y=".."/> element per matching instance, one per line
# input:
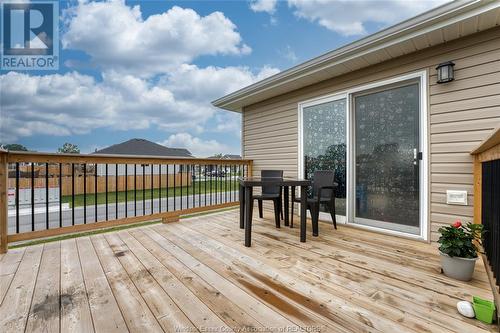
<point x="399" y="32"/>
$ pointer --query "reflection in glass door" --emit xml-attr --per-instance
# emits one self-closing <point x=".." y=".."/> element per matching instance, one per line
<point x="386" y="145"/>
<point x="324" y="145"/>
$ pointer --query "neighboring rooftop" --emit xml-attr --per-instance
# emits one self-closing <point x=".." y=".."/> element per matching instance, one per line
<point x="227" y="157"/>
<point x="143" y="147"/>
<point x="442" y="24"/>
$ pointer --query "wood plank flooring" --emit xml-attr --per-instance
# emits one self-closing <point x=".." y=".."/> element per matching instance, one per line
<point x="196" y="276"/>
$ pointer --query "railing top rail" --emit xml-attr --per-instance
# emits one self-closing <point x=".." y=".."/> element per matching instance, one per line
<point x="491" y="141"/>
<point x="38" y="157"/>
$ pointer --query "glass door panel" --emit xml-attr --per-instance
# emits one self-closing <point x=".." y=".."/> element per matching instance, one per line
<point x="386" y="145"/>
<point x="324" y="145"/>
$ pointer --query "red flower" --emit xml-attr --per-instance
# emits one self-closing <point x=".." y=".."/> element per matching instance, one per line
<point x="457" y="224"/>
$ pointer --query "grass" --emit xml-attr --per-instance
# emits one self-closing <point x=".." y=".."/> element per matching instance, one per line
<point x="198" y="187"/>
<point x="107" y="230"/>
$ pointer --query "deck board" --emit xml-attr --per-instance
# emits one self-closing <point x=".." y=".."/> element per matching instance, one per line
<point x="196" y="275"/>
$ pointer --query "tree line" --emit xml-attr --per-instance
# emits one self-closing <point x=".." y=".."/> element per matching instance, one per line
<point x="66" y="148"/>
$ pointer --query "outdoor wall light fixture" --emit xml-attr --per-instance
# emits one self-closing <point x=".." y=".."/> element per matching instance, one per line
<point x="445" y="72"/>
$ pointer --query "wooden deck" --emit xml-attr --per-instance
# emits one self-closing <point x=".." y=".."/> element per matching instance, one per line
<point x="196" y="275"/>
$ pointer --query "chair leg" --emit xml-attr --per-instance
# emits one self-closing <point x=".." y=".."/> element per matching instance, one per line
<point x="314" y="208"/>
<point x="259" y="202"/>
<point x="333" y="214"/>
<point x="291" y="215"/>
<point x="277" y="212"/>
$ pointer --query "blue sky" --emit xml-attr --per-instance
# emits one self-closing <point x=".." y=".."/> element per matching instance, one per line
<point x="149" y="69"/>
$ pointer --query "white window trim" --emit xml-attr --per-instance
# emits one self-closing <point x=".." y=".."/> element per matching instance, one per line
<point x="424" y="147"/>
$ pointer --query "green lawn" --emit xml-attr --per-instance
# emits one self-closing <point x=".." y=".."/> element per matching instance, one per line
<point x="107" y="230"/>
<point x="198" y="187"/>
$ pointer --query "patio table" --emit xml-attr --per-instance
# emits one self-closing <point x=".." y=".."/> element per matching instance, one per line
<point x="246" y="202"/>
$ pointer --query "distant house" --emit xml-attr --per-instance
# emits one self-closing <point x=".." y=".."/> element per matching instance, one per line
<point x="211" y="168"/>
<point x="145" y="148"/>
<point x="141" y="147"/>
<point x="231" y="157"/>
<point x="226" y="157"/>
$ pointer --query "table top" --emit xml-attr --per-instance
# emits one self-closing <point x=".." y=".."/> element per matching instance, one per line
<point x="285" y="181"/>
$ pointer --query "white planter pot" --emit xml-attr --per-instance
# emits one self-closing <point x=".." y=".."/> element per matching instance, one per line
<point x="458" y="268"/>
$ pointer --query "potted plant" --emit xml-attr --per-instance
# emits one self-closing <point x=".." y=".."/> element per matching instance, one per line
<point x="459" y="249"/>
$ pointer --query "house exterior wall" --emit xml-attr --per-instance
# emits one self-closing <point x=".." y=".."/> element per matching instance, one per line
<point x="460" y="114"/>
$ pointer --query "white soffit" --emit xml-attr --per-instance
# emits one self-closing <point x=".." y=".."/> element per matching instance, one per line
<point x="442" y="24"/>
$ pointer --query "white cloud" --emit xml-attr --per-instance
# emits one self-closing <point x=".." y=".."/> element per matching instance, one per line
<point x="199" y="147"/>
<point x="75" y="104"/>
<point x="349" y="17"/>
<point x="117" y="37"/>
<point x="268" y="6"/>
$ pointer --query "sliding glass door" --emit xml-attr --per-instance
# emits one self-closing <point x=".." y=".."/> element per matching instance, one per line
<point x="386" y="132"/>
<point x="324" y="145"/>
<point x="374" y="137"/>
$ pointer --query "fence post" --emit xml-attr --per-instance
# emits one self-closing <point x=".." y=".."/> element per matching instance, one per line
<point x="4" y="177"/>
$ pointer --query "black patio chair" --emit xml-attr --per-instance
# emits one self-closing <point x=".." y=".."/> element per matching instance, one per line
<point x="271" y="192"/>
<point x="323" y="192"/>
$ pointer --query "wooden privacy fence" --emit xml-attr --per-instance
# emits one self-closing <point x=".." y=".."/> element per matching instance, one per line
<point x="149" y="188"/>
<point x="88" y="182"/>
<point x="487" y="204"/>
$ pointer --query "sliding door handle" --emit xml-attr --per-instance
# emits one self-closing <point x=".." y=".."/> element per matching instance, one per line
<point x="417" y="156"/>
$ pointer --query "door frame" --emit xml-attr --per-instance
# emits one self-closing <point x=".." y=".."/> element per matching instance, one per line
<point x="313" y="102"/>
<point x="424" y="149"/>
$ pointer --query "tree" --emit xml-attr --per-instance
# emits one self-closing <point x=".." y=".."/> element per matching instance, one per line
<point x="69" y="148"/>
<point x="15" y="147"/>
<point x="220" y="155"/>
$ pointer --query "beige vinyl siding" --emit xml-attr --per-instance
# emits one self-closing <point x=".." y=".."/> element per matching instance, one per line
<point x="461" y="114"/>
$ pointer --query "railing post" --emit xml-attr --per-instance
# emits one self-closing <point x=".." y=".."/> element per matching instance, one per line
<point x="4" y="178"/>
<point x="250" y="168"/>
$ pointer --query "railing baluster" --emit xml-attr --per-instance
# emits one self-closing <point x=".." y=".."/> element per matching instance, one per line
<point x="175" y="189"/>
<point x="135" y="189"/>
<point x="126" y="190"/>
<point x="84" y="193"/>
<point x="47" y="195"/>
<point x="143" y="189"/>
<point x="106" y="190"/>
<point x="199" y="185"/>
<point x="211" y="174"/>
<point x="168" y="188"/>
<point x="95" y="192"/>
<point x="181" y="167"/>
<point x="192" y="168"/>
<point x="205" y="184"/>
<point x="159" y="188"/>
<point x="239" y="175"/>
<point x="72" y="193"/>
<point x="116" y="191"/>
<point x="60" y="195"/>
<point x="152" y="189"/>
<point x="32" y="196"/>
<point x="17" y="197"/>
<point x="225" y="183"/>
<point x="187" y="186"/>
